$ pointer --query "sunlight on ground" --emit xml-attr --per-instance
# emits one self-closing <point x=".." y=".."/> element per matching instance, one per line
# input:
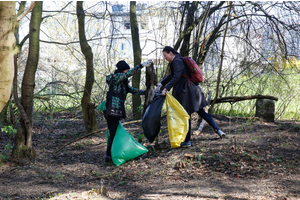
<point x="92" y="194"/>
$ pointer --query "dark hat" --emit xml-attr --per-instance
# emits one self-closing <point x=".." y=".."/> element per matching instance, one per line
<point x="121" y="66"/>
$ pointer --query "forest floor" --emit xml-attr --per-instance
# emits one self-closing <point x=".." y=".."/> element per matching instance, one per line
<point x="257" y="160"/>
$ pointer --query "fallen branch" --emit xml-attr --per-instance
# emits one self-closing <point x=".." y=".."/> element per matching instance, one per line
<point x="92" y="133"/>
<point x="236" y="99"/>
<point x="233" y="118"/>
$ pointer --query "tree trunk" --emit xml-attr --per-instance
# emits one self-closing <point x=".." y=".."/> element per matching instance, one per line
<point x="151" y="81"/>
<point x="88" y="108"/>
<point x="16" y="51"/>
<point x="184" y="50"/>
<point x="196" y="22"/>
<point x="136" y="99"/>
<point x="197" y="46"/>
<point x="4" y="114"/>
<point x="7" y="42"/>
<point x="23" y="141"/>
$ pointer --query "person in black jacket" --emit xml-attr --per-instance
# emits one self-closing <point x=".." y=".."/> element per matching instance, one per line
<point x="189" y="95"/>
<point x="120" y="79"/>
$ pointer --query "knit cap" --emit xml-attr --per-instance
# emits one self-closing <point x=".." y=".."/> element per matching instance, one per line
<point x="121" y="66"/>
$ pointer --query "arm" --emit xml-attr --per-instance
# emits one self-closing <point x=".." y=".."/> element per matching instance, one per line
<point x="178" y="70"/>
<point x="120" y="77"/>
<point x="136" y="91"/>
<point x="166" y="80"/>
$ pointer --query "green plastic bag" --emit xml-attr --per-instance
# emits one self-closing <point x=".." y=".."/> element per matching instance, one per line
<point x="102" y="106"/>
<point x="125" y="147"/>
<point x="177" y="120"/>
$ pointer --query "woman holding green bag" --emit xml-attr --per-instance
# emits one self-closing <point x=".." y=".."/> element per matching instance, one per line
<point x="116" y="96"/>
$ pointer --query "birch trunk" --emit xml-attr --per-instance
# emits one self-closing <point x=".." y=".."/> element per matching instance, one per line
<point x="7" y="43"/>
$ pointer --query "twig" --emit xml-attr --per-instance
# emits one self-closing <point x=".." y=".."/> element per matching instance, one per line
<point x="80" y="138"/>
<point x="85" y="136"/>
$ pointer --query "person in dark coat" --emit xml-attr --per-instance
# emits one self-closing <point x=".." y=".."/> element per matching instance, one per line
<point x="120" y="79"/>
<point x="189" y="94"/>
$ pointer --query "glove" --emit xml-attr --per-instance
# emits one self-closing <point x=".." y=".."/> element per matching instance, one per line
<point x="158" y="86"/>
<point x="147" y="63"/>
<point x="164" y="92"/>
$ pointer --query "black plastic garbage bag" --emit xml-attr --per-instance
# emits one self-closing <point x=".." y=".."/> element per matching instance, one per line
<point x="151" y="119"/>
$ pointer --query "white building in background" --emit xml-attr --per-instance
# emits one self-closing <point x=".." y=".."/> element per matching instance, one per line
<point x="153" y="34"/>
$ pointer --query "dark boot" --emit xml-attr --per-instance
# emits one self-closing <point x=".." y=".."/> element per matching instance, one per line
<point x="107" y="159"/>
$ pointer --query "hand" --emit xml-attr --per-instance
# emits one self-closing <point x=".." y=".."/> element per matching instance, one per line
<point x="164" y="92"/>
<point x="147" y="63"/>
<point x="158" y="86"/>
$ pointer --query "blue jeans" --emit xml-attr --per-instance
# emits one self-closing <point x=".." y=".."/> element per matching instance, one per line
<point x="207" y="118"/>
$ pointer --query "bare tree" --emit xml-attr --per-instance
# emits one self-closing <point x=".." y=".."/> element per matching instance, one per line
<point x="190" y="9"/>
<point x="264" y="39"/>
<point x="137" y="52"/>
<point x="261" y="37"/>
<point x="87" y="107"/>
<point x="222" y="56"/>
<point x="23" y="140"/>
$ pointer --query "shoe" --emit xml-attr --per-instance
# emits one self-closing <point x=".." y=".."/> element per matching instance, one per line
<point x="221" y="134"/>
<point x="107" y="159"/>
<point x="185" y="144"/>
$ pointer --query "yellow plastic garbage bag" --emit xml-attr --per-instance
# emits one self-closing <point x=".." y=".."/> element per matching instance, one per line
<point x="177" y="120"/>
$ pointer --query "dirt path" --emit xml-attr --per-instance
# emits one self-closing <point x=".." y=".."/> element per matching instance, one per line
<point x="256" y="161"/>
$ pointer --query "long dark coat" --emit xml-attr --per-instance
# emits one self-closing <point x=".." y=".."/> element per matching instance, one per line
<point x="191" y="95"/>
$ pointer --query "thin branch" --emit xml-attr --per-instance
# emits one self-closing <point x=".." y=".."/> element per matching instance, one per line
<point x="26" y="12"/>
<point x="221" y="63"/>
<point x="76" y="42"/>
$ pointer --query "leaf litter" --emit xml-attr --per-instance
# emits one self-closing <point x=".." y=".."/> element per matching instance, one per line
<point x="255" y="161"/>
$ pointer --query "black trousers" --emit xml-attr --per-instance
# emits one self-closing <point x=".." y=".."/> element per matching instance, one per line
<point x="112" y="124"/>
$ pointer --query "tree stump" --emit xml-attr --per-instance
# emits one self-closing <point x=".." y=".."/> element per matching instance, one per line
<point x="265" y="110"/>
